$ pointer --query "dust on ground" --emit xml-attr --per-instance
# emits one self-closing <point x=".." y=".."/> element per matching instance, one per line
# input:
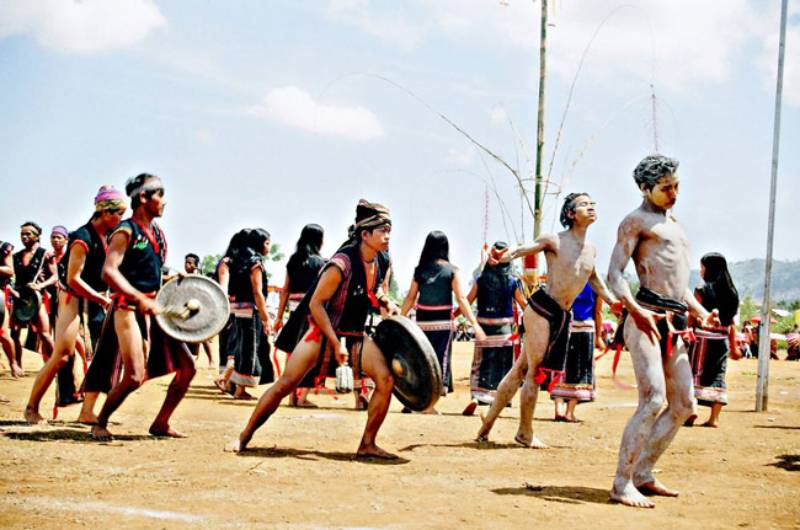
<point x="300" y="474"/>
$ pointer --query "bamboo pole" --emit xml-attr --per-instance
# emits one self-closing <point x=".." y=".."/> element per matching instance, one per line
<point x="762" y="394"/>
<point x="537" y="214"/>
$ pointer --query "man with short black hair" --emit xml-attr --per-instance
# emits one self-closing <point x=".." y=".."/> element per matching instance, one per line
<point x="29" y="263"/>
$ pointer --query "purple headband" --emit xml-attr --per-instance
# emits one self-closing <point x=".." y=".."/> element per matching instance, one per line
<point x="109" y="198"/>
<point x="60" y="230"/>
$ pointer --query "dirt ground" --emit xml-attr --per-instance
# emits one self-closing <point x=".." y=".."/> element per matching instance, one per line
<point x="300" y="474"/>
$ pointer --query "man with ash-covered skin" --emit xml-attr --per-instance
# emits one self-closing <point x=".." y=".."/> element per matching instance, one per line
<point x="570" y="264"/>
<point x="654" y="328"/>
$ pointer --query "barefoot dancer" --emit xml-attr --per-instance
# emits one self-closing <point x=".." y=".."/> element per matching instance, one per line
<point x="80" y="283"/>
<point x="301" y="272"/>
<point x="436" y="282"/>
<point x="6" y="274"/>
<point x="709" y="354"/>
<point x="496" y="290"/>
<point x="28" y="265"/>
<point x="570" y="264"/>
<point x="656" y="319"/>
<point x="338" y="307"/>
<point x="136" y="253"/>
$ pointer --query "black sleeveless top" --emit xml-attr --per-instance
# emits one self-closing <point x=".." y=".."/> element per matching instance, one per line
<point x="303" y="273"/>
<point x="144" y="257"/>
<point x="96" y="247"/>
<point x="496" y="287"/>
<point x="240" y="286"/>
<point x="435" y="281"/>
<point x="25" y="274"/>
<point x="350" y="305"/>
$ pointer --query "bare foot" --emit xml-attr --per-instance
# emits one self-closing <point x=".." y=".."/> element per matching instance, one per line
<point x="374" y="451"/>
<point x="571" y="419"/>
<point x="469" y="410"/>
<point x="483" y="432"/>
<point x="630" y="496"/>
<point x="165" y="432"/>
<point x="223" y="387"/>
<point x="306" y="404"/>
<point x="656" y="488"/>
<point x="237" y="445"/>
<point x="431" y="410"/>
<point x="17" y="371"/>
<point x="4" y="399"/>
<point x="534" y="443"/>
<point x="712" y="424"/>
<point x="558" y="417"/>
<point x="690" y="421"/>
<point x="243" y="395"/>
<point x="87" y="418"/>
<point x="33" y="417"/>
<point x="101" y="434"/>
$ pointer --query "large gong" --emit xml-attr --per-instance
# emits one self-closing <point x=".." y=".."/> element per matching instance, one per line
<point x="412" y="360"/>
<point x="26" y="306"/>
<point x="194" y="308"/>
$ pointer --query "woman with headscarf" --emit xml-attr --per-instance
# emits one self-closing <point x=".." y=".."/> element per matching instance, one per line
<point x="496" y="289"/>
<point x="252" y="324"/>
<point x="432" y="289"/>
<point x="709" y="353"/>
<point x="302" y="270"/>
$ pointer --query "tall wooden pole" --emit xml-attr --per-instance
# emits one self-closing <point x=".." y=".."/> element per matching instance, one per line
<point x="537" y="206"/>
<point x="762" y="394"/>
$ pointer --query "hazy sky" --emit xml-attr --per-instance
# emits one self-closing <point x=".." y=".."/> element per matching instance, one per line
<point x="281" y="113"/>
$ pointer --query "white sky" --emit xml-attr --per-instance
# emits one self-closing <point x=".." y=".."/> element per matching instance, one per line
<point x="276" y="114"/>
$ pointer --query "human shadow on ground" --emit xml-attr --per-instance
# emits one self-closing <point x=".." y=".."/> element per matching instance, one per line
<point x="56" y="435"/>
<point x="310" y="454"/>
<point x="562" y="494"/>
<point x="481" y="446"/>
<point x="787" y="462"/>
<point x="788" y="427"/>
<point x="12" y="423"/>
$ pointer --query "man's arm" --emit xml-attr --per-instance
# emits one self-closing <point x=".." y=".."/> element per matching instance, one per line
<point x="542" y="243"/>
<point x="627" y="238"/>
<point x="114" y="278"/>
<point x="50" y="263"/>
<point x="326" y="288"/>
<point x="77" y="260"/>
<point x="707" y="319"/>
<point x="601" y="289"/>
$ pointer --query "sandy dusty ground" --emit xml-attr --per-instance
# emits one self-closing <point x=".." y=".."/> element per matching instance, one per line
<point x="300" y="475"/>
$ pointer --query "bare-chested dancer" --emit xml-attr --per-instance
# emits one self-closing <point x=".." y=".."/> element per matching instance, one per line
<point x="656" y="318"/>
<point x="570" y="264"/>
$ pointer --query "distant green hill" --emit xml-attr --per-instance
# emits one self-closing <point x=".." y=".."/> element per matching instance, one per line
<point x="748" y="276"/>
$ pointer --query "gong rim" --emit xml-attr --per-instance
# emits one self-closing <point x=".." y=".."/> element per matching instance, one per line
<point x="404" y="370"/>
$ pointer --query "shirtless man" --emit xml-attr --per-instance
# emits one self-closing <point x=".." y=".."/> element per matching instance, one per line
<point x="570" y="264"/>
<point x="656" y="318"/>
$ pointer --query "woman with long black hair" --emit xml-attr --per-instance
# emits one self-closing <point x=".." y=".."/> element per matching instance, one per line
<point x="432" y="289"/>
<point x="709" y="353"/>
<point x="247" y="285"/>
<point x="301" y="270"/>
